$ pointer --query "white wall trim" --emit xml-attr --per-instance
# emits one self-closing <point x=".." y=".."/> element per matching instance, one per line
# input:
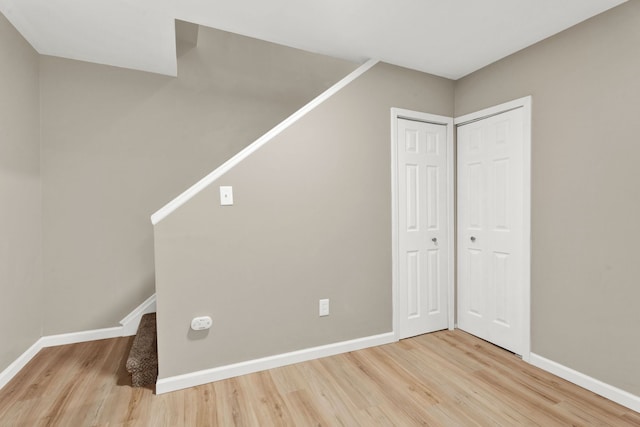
<point x="54" y="340"/>
<point x="525" y="104"/>
<point x="129" y="323"/>
<point x="15" y="367"/>
<point x="610" y="392"/>
<point x="492" y="111"/>
<point x="253" y="147"/>
<point x="81" y="336"/>
<point x="165" y="385"/>
<point x="398" y="113"/>
<point x="132" y="320"/>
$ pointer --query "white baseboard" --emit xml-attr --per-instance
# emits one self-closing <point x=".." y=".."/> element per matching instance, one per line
<point x="165" y="385"/>
<point x="54" y="340"/>
<point x="15" y="367"/>
<point x="129" y="327"/>
<point x="615" y="394"/>
<point x="132" y="320"/>
<point x="82" y="336"/>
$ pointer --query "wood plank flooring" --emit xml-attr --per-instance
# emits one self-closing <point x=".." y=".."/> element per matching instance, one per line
<point x="447" y="378"/>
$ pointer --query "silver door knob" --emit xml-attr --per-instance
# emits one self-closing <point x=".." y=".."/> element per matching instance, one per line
<point x="473" y="239"/>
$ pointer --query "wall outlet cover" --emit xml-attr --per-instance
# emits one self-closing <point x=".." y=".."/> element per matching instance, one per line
<point x="323" y="307"/>
<point x="201" y="323"/>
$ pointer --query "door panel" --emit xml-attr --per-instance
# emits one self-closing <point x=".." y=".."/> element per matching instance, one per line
<point x="422" y="222"/>
<point x="490" y="228"/>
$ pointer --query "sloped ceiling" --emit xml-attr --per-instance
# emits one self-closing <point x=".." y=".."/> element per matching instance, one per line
<point x="449" y="38"/>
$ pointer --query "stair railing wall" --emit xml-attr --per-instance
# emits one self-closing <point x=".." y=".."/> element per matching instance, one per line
<point x="310" y="220"/>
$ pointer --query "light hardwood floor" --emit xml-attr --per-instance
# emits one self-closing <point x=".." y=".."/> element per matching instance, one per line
<point x="447" y="378"/>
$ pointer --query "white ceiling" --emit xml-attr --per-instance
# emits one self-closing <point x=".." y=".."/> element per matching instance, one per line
<point x="449" y="38"/>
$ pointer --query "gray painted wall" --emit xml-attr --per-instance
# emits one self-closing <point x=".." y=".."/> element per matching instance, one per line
<point x="118" y="144"/>
<point x="585" y="84"/>
<point x="20" y="197"/>
<point x="311" y="220"/>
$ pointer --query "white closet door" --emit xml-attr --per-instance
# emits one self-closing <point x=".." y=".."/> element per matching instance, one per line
<point x="490" y="229"/>
<point x="423" y="227"/>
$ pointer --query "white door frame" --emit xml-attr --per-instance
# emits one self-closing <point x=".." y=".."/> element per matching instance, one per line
<point x="399" y="113"/>
<point x="525" y="104"/>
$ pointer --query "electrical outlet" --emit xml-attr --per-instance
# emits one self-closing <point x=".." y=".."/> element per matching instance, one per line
<point x="323" y="307"/>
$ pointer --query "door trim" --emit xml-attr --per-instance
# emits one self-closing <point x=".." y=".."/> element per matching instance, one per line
<point x="399" y="113"/>
<point x="525" y="104"/>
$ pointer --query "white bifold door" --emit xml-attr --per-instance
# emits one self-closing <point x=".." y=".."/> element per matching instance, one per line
<point x="490" y="229"/>
<point x="422" y="227"/>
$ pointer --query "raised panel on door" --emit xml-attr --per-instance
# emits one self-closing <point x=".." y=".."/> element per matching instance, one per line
<point x="422" y="227"/>
<point x="490" y="221"/>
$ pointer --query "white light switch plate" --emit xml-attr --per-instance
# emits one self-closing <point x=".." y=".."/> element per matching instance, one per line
<point x="226" y="195"/>
<point x="323" y="307"/>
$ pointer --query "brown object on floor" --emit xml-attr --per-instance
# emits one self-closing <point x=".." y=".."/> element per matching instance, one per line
<point x="143" y="357"/>
<point x="447" y="378"/>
